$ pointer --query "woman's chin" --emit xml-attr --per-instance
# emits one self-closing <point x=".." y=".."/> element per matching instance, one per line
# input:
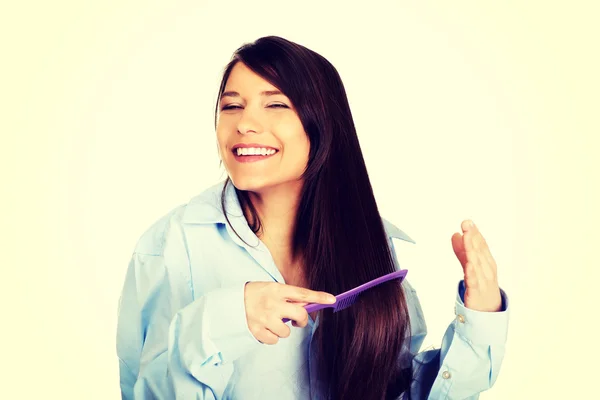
<point x="263" y="186"/>
<point x="250" y="184"/>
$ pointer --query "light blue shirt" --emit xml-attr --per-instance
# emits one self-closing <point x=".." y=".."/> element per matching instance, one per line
<point x="182" y="330"/>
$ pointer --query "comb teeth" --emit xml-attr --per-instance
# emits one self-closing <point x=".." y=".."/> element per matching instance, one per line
<point x="345" y="303"/>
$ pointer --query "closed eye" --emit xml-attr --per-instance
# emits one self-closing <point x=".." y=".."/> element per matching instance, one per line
<point x="233" y="107"/>
<point x="229" y="107"/>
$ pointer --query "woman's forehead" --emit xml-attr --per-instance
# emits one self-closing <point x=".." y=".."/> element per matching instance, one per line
<point x="243" y="79"/>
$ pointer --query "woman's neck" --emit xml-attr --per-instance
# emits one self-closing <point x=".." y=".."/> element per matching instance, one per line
<point x="277" y="208"/>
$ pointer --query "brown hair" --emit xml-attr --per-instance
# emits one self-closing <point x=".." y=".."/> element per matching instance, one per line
<point x="338" y="228"/>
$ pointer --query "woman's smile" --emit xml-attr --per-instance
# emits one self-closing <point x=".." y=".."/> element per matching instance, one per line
<point x="246" y="153"/>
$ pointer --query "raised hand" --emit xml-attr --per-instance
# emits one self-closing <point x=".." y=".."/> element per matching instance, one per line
<point x="267" y="303"/>
<point x="482" y="292"/>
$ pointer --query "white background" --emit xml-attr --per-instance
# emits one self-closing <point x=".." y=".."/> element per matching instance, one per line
<point x="464" y="110"/>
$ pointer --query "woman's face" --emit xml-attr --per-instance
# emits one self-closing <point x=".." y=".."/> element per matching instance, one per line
<point x="261" y="140"/>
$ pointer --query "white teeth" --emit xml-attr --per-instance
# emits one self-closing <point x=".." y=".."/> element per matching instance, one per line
<point x="254" y="151"/>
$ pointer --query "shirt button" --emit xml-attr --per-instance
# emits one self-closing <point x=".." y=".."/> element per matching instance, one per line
<point x="446" y="375"/>
<point x="460" y="318"/>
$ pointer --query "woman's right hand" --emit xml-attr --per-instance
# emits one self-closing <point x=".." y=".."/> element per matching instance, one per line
<point x="267" y="303"/>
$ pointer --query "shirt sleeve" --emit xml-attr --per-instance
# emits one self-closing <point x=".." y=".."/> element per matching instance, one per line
<point x="171" y="345"/>
<point x="472" y="351"/>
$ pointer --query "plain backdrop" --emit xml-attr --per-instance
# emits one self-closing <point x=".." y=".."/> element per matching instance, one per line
<point x="481" y="110"/>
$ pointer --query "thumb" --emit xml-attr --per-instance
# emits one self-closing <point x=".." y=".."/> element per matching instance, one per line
<point x="458" y="246"/>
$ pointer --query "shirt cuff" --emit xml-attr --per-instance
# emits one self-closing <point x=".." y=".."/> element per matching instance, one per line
<point x="481" y="327"/>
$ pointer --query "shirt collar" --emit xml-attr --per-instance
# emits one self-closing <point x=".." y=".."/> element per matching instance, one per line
<point x="394" y="232"/>
<point x="206" y="209"/>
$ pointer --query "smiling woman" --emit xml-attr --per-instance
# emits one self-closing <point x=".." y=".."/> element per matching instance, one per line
<point x="259" y="120"/>
<point x="294" y="223"/>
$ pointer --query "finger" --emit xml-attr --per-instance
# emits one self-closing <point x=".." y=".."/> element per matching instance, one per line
<point x="300" y="294"/>
<point x="471" y="276"/>
<point x="296" y="313"/>
<point x="459" y="249"/>
<point x="477" y="241"/>
<point x="278" y="328"/>
<point x="485" y="253"/>
<point x="480" y="252"/>
<point x="267" y="337"/>
<point x="472" y="267"/>
<point x="467" y="226"/>
<point x="487" y="262"/>
<point x="472" y="240"/>
<point x="299" y="303"/>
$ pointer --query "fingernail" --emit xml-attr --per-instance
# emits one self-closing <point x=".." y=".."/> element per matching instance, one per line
<point x="331" y="298"/>
<point x="470" y="224"/>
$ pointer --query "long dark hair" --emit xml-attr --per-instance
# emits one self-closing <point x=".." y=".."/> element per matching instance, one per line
<point x="338" y="229"/>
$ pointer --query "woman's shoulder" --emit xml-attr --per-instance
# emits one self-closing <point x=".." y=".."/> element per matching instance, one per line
<point x="203" y="207"/>
<point x="152" y="241"/>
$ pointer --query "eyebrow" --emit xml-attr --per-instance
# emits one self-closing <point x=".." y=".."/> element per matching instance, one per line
<point x="263" y="93"/>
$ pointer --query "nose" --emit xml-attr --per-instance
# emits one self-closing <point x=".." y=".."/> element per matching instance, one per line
<point x="248" y="123"/>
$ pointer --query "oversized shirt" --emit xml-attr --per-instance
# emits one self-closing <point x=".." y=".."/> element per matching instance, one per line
<point x="182" y="329"/>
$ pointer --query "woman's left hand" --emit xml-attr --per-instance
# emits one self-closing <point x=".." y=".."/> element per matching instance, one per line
<point x="482" y="292"/>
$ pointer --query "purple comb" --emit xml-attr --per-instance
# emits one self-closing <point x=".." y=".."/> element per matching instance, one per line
<point x="346" y="299"/>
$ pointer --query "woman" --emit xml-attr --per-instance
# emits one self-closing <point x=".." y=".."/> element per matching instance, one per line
<point x="295" y="222"/>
